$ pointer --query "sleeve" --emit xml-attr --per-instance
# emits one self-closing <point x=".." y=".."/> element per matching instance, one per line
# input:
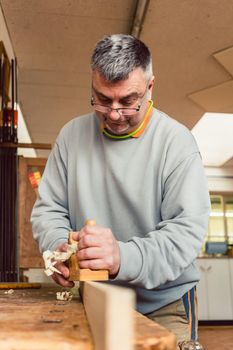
<point x="164" y="254"/>
<point x="50" y="217"/>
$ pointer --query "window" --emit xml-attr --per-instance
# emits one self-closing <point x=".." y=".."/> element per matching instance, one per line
<point x="221" y="219"/>
<point x="229" y="219"/>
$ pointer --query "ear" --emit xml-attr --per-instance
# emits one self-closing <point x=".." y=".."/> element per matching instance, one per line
<point x="151" y="85"/>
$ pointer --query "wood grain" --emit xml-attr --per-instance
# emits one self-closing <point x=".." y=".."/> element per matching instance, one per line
<point x="19" y="285"/>
<point x="47" y="146"/>
<point x="216" y="337"/>
<point x="34" y="319"/>
<point x="151" y="336"/>
<point x="109" y="311"/>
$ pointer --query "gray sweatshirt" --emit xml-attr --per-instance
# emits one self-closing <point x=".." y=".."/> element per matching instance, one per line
<point x="151" y="191"/>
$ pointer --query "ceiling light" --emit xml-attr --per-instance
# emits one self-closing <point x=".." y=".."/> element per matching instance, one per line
<point x="214" y="136"/>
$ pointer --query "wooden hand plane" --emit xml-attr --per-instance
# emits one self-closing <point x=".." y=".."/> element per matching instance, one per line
<point x="77" y="274"/>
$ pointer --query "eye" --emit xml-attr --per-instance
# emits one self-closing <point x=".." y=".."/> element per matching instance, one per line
<point x="129" y="101"/>
<point x="104" y="100"/>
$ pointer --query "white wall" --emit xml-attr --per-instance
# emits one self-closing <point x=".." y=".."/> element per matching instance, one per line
<point x="4" y="36"/>
<point x="23" y="135"/>
<point x="220" y="179"/>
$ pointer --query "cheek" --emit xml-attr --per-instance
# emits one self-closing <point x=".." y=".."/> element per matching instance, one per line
<point x="136" y="120"/>
<point x="100" y="116"/>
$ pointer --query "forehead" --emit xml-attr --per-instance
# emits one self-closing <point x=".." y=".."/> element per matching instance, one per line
<point x="135" y="83"/>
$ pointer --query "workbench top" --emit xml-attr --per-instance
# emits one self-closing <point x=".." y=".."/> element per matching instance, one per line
<point x="33" y="319"/>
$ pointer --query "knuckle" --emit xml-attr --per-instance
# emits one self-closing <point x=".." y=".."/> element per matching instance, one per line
<point x="108" y="232"/>
<point x="83" y="254"/>
<point x="86" y="240"/>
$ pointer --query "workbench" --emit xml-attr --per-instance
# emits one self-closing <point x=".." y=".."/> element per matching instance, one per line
<point x="33" y="319"/>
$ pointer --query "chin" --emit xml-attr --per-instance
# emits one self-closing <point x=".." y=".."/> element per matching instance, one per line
<point x="118" y="129"/>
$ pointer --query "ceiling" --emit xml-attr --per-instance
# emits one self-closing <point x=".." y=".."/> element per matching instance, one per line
<point x="191" y="42"/>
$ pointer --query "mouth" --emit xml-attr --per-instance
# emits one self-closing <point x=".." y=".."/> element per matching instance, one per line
<point x="116" y="127"/>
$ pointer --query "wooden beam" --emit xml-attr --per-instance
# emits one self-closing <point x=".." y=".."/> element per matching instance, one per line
<point x="110" y="313"/>
<point x="19" y="285"/>
<point x="27" y="145"/>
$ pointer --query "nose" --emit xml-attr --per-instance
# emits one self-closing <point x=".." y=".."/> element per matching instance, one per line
<point x="114" y="114"/>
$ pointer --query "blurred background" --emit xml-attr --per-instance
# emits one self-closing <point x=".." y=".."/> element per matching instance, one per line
<point x="192" y="47"/>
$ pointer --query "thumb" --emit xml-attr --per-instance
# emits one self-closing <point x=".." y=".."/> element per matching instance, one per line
<point x="74" y="236"/>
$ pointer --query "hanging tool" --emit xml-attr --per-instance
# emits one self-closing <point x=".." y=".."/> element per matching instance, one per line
<point x="1" y="95"/>
<point x="14" y="102"/>
<point x="77" y="274"/>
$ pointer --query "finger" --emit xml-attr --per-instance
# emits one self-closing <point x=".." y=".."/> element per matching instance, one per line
<point x="62" y="268"/>
<point x="62" y="281"/>
<point x="89" y="241"/>
<point x="90" y="253"/>
<point x="75" y="235"/>
<point x="94" y="264"/>
<point x="91" y="230"/>
<point x="63" y="247"/>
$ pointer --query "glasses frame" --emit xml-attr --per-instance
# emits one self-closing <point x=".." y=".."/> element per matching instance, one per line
<point x="109" y="109"/>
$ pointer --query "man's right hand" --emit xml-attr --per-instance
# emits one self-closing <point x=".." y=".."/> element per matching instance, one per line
<point x="62" y="279"/>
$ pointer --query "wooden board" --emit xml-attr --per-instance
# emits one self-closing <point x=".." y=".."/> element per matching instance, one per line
<point x="29" y="254"/>
<point x="34" y="319"/>
<point x="110" y="314"/>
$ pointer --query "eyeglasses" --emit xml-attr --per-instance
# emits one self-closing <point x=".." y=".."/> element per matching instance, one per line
<point x="122" y="111"/>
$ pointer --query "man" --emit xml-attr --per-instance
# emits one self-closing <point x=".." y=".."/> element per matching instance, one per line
<point x="138" y="173"/>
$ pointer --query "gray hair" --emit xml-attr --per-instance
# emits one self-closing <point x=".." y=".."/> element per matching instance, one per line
<point x="116" y="56"/>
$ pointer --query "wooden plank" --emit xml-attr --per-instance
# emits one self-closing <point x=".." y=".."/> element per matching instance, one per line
<point x="27" y="145"/>
<point x="34" y="319"/>
<point x="110" y="313"/>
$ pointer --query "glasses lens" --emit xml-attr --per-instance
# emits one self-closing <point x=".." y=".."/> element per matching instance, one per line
<point x="121" y="111"/>
<point x="128" y="111"/>
<point x="102" y="109"/>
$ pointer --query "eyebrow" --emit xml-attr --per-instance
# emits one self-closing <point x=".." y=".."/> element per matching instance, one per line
<point x="132" y="94"/>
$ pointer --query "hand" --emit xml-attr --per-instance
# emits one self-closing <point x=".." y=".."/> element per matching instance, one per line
<point x="97" y="249"/>
<point x="63" y="278"/>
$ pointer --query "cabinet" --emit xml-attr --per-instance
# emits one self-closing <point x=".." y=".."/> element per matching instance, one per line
<point x="215" y="297"/>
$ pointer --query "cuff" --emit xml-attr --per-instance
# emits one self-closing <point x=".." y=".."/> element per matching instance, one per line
<point x="131" y="262"/>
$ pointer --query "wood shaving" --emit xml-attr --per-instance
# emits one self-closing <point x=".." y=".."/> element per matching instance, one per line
<point x="64" y="296"/>
<point x="10" y="291"/>
<point x="52" y="257"/>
